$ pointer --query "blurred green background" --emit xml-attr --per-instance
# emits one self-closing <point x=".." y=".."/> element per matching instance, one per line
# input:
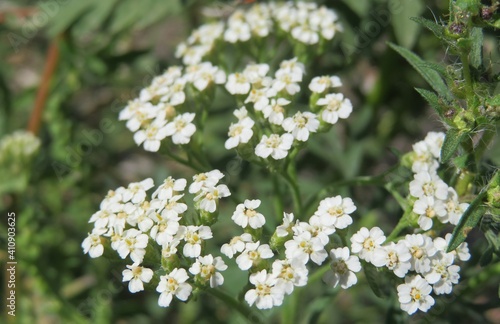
<point x="107" y="51"/>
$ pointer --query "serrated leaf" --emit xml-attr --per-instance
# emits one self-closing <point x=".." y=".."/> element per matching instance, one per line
<point x="451" y="143"/>
<point x="476" y="53"/>
<point x="432" y="99"/>
<point x="405" y="30"/>
<point x="436" y="29"/>
<point x="468" y="221"/>
<point x="431" y="76"/>
<point x="437" y="67"/>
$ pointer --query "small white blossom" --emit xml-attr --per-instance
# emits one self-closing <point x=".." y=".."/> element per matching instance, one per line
<point x="396" y="257"/>
<point x="205" y="181"/>
<point x="92" y="243"/>
<point x="365" y="242"/>
<point x="428" y="208"/>
<point x="301" y="125"/>
<point x="266" y="293"/>
<point x="253" y="254"/>
<point x="236" y="245"/>
<point x="209" y="197"/>
<point x="274" y="145"/>
<point x="414" y="294"/>
<point x="169" y="188"/>
<point x="335" y="211"/>
<point x="173" y="284"/>
<point x="322" y="83"/>
<point x="421" y="248"/>
<point x="181" y="128"/>
<point x="285" y="229"/>
<point x="428" y="184"/>
<point x="136" y="276"/>
<point x="194" y="237"/>
<point x="239" y="133"/>
<point x="443" y="273"/>
<point x="342" y="268"/>
<point x="336" y="106"/>
<point x="207" y="268"/>
<point x="237" y="83"/>
<point x="304" y="246"/>
<point x="245" y="214"/>
<point x="135" y="243"/>
<point x="290" y="274"/>
<point x="274" y="110"/>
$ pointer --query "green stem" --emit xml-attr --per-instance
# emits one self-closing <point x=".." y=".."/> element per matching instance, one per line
<point x="278" y="199"/>
<point x="248" y="313"/>
<point x="182" y="161"/>
<point x="297" y="202"/>
<point x="402" y="224"/>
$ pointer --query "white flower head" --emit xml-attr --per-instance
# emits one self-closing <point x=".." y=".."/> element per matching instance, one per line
<point x="135" y="243"/>
<point x="208" y="198"/>
<point x="194" y="237"/>
<point x="266" y="293"/>
<point x="92" y="243"/>
<point x="335" y="211"/>
<point x="462" y="251"/>
<point x="238" y="83"/>
<point x="239" y="133"/>
<point x="274" y="110"/>
<point x="428" y="184"/>
<point x="208" y="267"/>
<point x="245" y="214"/>
<point x="173" y="284"/>
<point x="137" y="276"/>
<point x="396" y="257"/>
<point x="414" y="294"/>
<point x="181" y="128"/>
<point x="322" y="83"/>
<point x="136" y="191"/>
<point x="304" y="247"/>
<point x="169" y="188"/>
<point x="253" y="254"/>
<point x="205" y="181"/>
<point x="301" y="125"/>
<point x="428" y="208"/>
<point x="290" y="274"/>
<point x="236" y="245"/>
<point x="421" y="248"/>
<point x="443" y="273"/>
<point x="274" y="145"/>
<point x="336" y="106"/>
<point x="342" y="268"/>
<point x="285" y="229"/>
<point x="365" y="242"/>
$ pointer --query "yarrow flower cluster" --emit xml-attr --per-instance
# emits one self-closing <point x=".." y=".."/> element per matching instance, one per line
<point x="435" y="200"/>
<point x="303" y="242"/>
<point x="154" y="232"/>
<point x="166" y="249"/>
<point x="304" y="23"/>
<point x="266" y="110"/>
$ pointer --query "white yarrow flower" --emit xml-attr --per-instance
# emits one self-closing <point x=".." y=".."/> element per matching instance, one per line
<point x="343" y="268"/>
<point x="245" y="214"/>
<point x="414" y="294"/>
<point x="274" y="145"/>
<point x="173" y="284"/>
<point x="136" y="276"/>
